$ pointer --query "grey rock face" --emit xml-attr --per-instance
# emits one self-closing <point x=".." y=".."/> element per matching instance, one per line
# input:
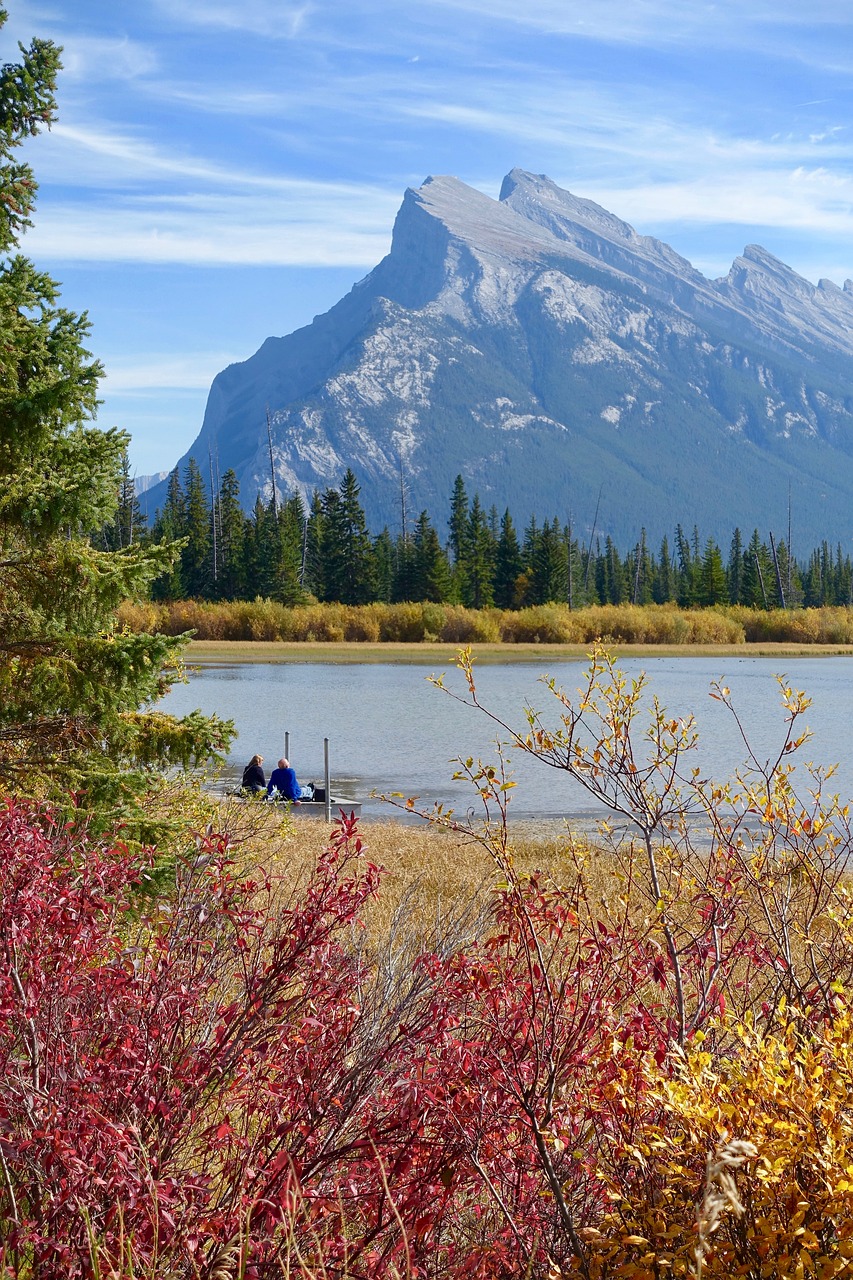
<point x="540" y="347"/>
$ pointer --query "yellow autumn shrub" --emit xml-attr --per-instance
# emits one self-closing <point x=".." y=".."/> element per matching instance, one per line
<point x="789" y="1094"/>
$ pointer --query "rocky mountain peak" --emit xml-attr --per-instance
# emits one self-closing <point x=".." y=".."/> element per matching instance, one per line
<point x="483" y="224"/>
<point x="757" y="268"/>
<point x="542" y="348"/>
<point x="540" y="200"/>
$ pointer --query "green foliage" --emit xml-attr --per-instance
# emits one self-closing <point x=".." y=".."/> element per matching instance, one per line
<point x="231" y="578"/>
<point x="345" y="548"/>
<point x="282" y="553"/>
<point x="71" y="683"/>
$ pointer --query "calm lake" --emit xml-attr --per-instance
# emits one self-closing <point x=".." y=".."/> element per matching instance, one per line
<point x="391" y="730"/>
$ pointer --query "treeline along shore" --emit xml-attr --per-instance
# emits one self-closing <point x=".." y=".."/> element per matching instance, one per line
<point x="295" y="554"/>
<point x="428" y="622"/>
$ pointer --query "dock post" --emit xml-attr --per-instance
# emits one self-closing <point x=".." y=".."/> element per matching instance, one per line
<point x="327" y="780"/>
<point x="287" y="744"/>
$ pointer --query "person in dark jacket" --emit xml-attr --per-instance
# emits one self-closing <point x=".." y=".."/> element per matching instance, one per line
<point x="284" y="786"/>
<point x="253" y="775"/>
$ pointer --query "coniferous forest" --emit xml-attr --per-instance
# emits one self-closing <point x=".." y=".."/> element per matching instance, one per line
<point x="472" y="556"/>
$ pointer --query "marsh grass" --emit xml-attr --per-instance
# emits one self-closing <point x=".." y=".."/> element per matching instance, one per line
<point x="266" y="621"/>
<point x="437" y="884"/>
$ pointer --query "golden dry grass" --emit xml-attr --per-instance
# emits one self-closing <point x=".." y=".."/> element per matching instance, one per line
<point x="382" y="629"/>
<point x="430" y="875"/>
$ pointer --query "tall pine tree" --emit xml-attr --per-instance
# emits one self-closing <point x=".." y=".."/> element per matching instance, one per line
<point x="75" y="691"/>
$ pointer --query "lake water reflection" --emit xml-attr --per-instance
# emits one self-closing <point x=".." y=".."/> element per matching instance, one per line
<point x="391" y="730"/>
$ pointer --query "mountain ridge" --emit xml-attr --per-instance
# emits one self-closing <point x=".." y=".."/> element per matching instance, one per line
<point x="544" y="349"/>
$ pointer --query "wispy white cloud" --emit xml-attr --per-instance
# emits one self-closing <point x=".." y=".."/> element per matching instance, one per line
<point x="189" y="372"/>
<point x="88" y="57"/>
<point x="235" y="230"/>
<point x="796" y="200"/>
<point x="655" y="23"/>
<point x="88" y="154"/>
<point x="225" y="100"/>
<point x="106" y="58"/>
<point x="82" y="155"/>
<point x="272" y="18"/>
<point x="627" y="132"/>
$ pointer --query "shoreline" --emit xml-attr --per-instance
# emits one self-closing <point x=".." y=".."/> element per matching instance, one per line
<point x="227" y="652"/>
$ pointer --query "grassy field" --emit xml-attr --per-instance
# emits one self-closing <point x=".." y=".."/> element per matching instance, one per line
<point x="427" y="628"/>
<point x="443" y="655"/>
<point x="431" y="876"/>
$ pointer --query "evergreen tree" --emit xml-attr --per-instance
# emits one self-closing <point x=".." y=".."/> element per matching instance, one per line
<point x="713" y="586"/>
<point x="549" y="565"/>
<point x="827" y="577"/>
<point x="385" y="558"/>
<point x="791" y="578"/>
<point x="458" y="522"/>
<point x="665" y="587"/>
<point x="734" y="569"/>
<point x="688" y="569"/>
<point x="494" y="526"/>
<point x="312" y="579"/>
<point x="347" y="562"/>
<point x="574" y="571"/>
<point x="843" y="578"/>
<point x="756" y="575"/>
<point x="812" y="584"/>
<point x="289" y="535"/>
<point x="75" y="692"/>
<point x="478" y="560"/>
<point x="431" y="574"/>
<point x="169" y="528"/>
<point x="128" y="523"/>
<point x="331" y="579"/>
<point x="640" y="572"/>
<point x="508" y="564"/>
<point x="261" y="550"/>
<point x="403" y="586"/>
<point x="588" y="577"/>
<point x="610" y="575"/>
<point x="196" y="557"/>
<point x="231" y="577"/>
<point x="525" y="590"/>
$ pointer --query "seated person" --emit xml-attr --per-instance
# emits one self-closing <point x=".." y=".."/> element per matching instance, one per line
<point x="283" y="785"/>
<point x="253" y="775"/>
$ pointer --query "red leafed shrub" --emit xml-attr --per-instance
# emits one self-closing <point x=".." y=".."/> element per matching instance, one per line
<point x="224" y="1086"/>
<point x="197" y="1087"/>
<point x="225" y="1082"/>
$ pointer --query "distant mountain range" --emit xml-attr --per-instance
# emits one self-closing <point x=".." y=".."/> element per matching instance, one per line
<point x="547" y="352"/>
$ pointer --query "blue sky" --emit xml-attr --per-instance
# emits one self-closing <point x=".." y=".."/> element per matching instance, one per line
<point x="223" y="170"/>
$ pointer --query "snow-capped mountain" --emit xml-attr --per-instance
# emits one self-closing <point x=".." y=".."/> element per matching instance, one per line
<point x="540" y="347"/>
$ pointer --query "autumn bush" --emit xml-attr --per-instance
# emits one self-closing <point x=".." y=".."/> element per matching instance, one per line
<point x="543" y="624"/>
<point x="414" y="623"/>
<point x="235" y="1078"/>
<point x="829" y="625"/>
<point x="786" y="1091"/>
<point x="193" y="1089"/>
<point x="411" y="623"/>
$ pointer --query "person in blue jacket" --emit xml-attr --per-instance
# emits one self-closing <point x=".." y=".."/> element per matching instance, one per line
<point x="284" y="786"/>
